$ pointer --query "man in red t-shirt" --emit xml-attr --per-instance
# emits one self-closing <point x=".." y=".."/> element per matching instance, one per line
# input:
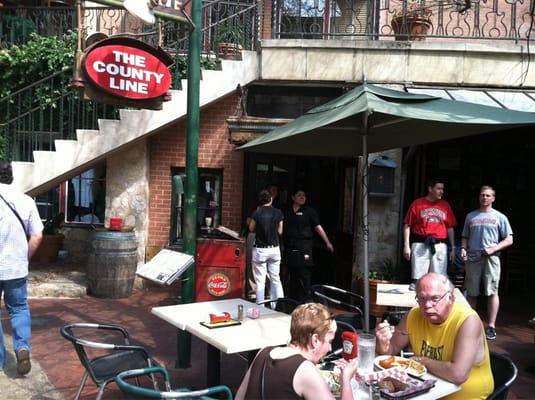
<point x="427" y="227"/>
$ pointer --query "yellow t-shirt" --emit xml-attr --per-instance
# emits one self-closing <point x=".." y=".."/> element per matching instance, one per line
<point x="438" y="341"/>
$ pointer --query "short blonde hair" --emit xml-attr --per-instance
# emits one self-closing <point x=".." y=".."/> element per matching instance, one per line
<point x="487" y="187"/>
<point x="307" y="320"/>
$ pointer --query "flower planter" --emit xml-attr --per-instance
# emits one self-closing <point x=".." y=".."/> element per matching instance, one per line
<point x="230" y="51"/>
<point x="49" y="248"/>
<point x="412" y="28"/>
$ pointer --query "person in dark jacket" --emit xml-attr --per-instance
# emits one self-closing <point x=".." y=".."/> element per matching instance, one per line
<point x="301" y="221"/>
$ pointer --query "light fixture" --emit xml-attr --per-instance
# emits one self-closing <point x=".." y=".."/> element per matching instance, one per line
<point x="141" y="9"/>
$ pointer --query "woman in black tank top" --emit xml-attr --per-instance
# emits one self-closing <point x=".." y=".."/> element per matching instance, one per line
<point x="290" y="372"/>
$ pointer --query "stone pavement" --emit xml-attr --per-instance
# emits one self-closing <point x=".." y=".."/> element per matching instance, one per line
<point x="35" y="385"/>
<point x="56" y="370"/>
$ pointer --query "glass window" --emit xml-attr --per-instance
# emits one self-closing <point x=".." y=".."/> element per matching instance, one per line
<point x="208" y="201"/>
<point x="86" y="194"/>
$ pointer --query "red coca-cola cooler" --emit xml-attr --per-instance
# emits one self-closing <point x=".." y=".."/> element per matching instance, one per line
<point x="219" y="269"/>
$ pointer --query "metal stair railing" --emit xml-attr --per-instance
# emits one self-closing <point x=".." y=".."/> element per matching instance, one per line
<point x="49" y="109"/>
<point x="33" y="117"/>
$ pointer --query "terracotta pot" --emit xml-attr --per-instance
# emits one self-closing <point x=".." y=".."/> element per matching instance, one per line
<point x="49" y="248"/>
<point x="375" y="310"/>
<point x="414" y="28"/>
<point x="230" y="51"/>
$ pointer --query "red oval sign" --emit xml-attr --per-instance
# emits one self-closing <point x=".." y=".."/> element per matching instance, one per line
<point x="127" y="71"/>
<point x="218" y="284"/>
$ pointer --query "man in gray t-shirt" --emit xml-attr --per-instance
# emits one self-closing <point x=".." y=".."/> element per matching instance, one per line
<point x="486" y="232"/>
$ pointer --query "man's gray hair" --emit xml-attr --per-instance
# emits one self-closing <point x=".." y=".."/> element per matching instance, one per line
<point x="444" y="280"/>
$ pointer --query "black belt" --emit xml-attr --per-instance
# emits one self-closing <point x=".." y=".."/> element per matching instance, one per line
<point x="266" y="246"/>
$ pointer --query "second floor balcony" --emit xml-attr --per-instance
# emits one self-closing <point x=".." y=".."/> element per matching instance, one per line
<point x="378" y="20"/>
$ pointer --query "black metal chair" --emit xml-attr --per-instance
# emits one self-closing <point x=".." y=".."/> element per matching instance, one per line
<point x="344" y="300"/>
<point x="504" y="372"/>
<point x="283" y="304"/>
<point x="111" y="358"/>
<point x="137" y="392"/>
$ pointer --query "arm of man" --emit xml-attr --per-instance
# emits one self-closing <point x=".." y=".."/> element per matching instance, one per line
<point x="33" y="243"/>
<point x="467" y="352"/>
<point x="451" y="239"/>
<point x="252" y="225"/>
<point x="406" y="242"/>
<point x="319" y="230"/>
<point x="279" y="228"/>
<point x="309" y="384"/>
<point x="464" y="244"/>
<point x="390" y="339"/>
<point x="508" y="241"/>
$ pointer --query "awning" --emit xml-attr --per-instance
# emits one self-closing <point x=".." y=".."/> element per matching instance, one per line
<point x="370" y="118"/>
<point x="396" y="119"/>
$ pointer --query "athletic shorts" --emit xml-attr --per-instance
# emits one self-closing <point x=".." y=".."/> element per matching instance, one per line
<point x="482" y="275"/>
<point x="422" y="261"/>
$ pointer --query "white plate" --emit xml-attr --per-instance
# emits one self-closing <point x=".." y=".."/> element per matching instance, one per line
<point x="410" y="370"/>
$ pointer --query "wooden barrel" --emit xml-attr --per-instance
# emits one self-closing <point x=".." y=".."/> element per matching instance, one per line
<point x="112" y="264"/>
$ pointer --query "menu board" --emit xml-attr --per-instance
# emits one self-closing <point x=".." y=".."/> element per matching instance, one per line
<point x="166" y="266"/>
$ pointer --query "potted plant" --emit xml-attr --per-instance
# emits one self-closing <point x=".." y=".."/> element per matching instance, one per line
<point x="52" y="240"/>
<point x="229" y="41"/>
<point x="412" y="21"/>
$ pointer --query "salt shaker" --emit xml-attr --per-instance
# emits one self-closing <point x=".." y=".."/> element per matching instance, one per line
<point x="240" y="312"/>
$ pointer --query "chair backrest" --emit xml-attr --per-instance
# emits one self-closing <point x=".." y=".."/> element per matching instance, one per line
<point x="332" y="296"/>
<point x="130" y="354"/>
<point x="504" y="372"/>
<point x="78" y="343"/>
<point x="137" y="392"/>
<point x="283" y="304"/>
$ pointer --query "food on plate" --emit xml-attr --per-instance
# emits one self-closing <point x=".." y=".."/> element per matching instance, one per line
<point x="392" y="385"/>
<point x="217" y="319"/>
<point x="413" y="367"/>
<point x="387" y="362"/>
<point x="333" y="381"/>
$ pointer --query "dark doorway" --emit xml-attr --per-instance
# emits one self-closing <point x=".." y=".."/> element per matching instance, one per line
<point x="328" y="183"/>
<point x="503" y="160"/>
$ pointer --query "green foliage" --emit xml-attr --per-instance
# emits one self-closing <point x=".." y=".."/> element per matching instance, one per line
<point x="22" y="65"/>
<point x="230" y="32"/>
<point x="388" y="270"/>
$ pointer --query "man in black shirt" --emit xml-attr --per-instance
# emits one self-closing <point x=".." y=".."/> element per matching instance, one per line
<point x="301" y="221"/>
<point x="266" y="222"/>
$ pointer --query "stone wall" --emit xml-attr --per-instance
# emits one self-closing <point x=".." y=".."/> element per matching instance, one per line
<point x="127" y="191"/>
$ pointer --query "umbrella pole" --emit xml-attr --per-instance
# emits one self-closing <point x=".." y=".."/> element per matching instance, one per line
<point x="365" y="228"/>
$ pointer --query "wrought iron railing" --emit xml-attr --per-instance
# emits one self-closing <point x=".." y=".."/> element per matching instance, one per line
<point x="394" y="19"/>
<point x="34" y="116"/>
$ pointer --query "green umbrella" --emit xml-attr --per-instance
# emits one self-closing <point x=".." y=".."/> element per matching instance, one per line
<point x="371" y="118"/>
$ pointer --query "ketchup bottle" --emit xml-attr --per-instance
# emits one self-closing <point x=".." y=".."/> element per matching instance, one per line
<point x="349" y="345"/>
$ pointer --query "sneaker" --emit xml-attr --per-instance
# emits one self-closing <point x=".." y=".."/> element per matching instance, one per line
<point x="412" y="286"/>
<point x="491" y="333"/>
<point x="23" y="361"/>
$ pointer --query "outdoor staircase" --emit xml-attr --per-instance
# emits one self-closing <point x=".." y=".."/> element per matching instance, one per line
<point x="71" y="157"/>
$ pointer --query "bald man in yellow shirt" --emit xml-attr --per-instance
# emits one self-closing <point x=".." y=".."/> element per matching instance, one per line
<point x="446" y="336"/>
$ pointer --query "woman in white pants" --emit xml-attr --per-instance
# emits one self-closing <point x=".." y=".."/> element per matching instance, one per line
<point x="266" y="222"/>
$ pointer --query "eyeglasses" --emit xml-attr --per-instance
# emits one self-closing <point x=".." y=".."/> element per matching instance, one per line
<point x="434" y="300"/>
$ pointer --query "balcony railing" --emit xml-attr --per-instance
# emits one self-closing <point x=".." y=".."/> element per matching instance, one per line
<point x="353" y="19"/>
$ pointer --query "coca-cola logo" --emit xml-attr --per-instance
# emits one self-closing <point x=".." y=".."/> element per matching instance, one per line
<point x="218" y="284"/>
